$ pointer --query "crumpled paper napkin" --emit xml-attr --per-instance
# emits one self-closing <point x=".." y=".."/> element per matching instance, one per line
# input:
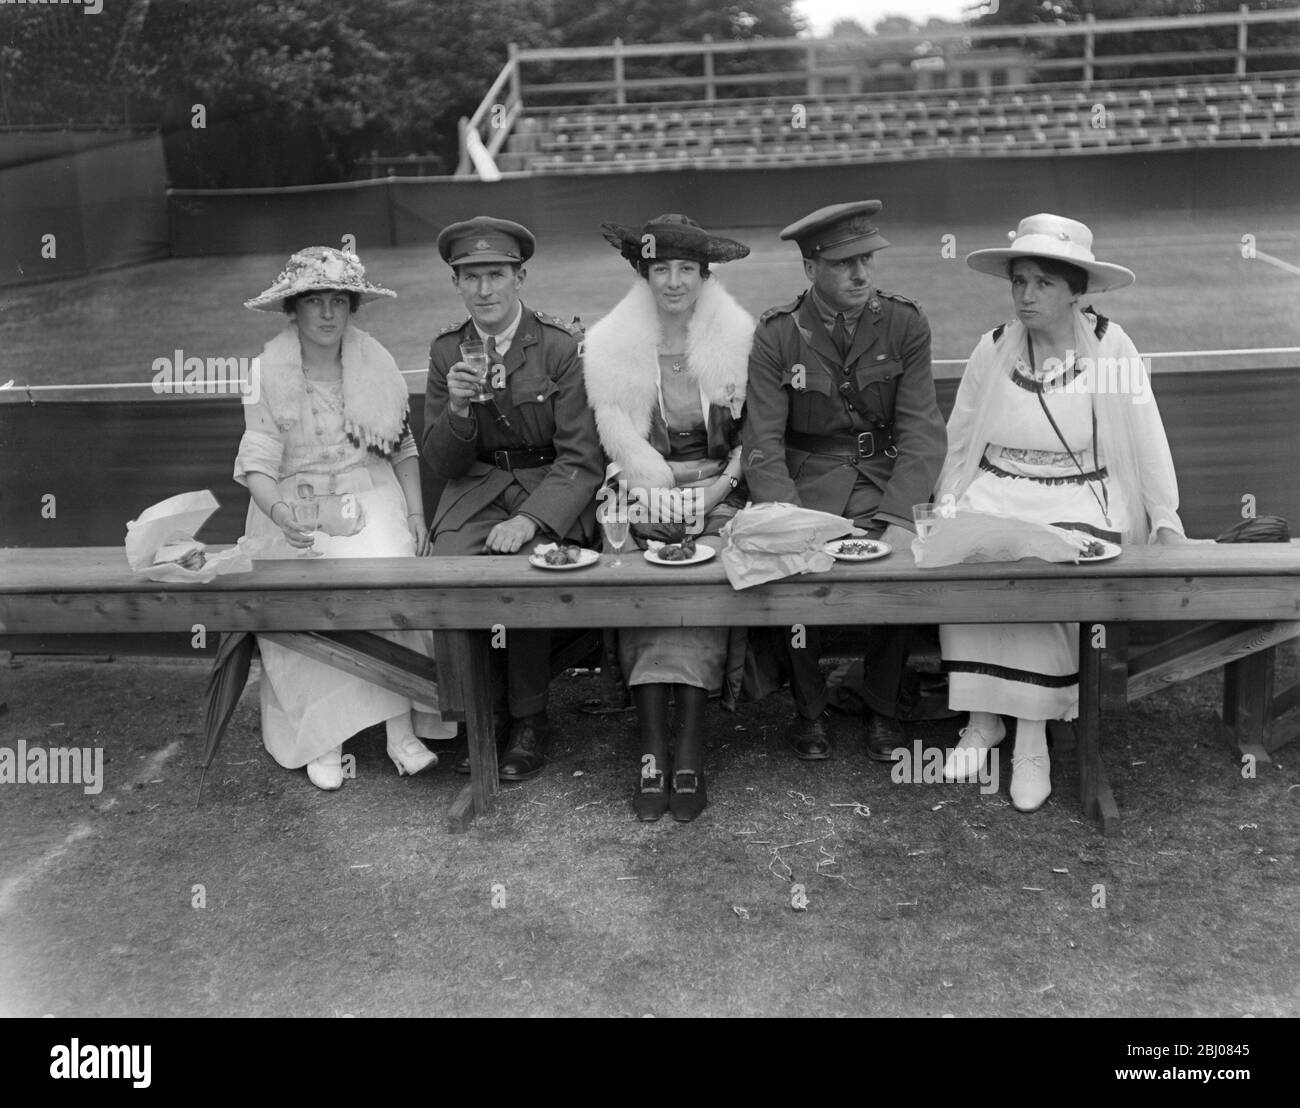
<point x="980" y="537"/>
<point x="177" y="519"/>
<point x="764" y="542"/>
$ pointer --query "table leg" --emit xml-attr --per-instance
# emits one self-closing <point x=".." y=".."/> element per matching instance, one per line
<point x="1094" y="788"/>
<point x="1248" y="704"/>
<point x="465" y="653"/>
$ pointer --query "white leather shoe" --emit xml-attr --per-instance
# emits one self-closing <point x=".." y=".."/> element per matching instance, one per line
<point x="410" y="755"/>
<point x="326" y="772"/>
<point x="1031" y="780"/>
<point x="967" y="758"/>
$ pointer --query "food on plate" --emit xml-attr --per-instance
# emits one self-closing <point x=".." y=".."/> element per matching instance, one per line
<point x="857" y="549"/>
<point x="563" y="555"/>
<point x="187" y="555"/>
<point x="682" y="551"/>
<point x="1094" y="549"/>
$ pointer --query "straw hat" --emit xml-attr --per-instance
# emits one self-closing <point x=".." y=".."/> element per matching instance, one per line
<point x="674" y="237"/>
<point x="317" y="269"/>
<point x="1052" y="236"/>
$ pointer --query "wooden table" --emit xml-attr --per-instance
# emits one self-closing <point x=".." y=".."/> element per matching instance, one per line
<point x="324" y="607"/>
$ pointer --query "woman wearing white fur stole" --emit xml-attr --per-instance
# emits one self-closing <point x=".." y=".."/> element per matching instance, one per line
<point x="666" y="373"/>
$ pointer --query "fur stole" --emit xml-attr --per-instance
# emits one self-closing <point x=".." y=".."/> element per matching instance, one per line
<point x="622" y="372"/>
<point x="375" y="400"/>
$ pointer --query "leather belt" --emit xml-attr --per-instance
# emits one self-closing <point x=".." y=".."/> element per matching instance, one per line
<point x="526" y="457"/>
<point x="867" y="444"/>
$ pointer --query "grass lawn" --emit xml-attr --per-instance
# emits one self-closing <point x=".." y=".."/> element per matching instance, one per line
<point x="929" y="899"/>
<point x="1194" y="291"/>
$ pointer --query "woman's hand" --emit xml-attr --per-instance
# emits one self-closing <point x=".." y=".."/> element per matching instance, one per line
<point x="1167" y="536"/>
<point x="419" y="533"/>
<point x="691" y="473"/>
<point x="294" y="535"/>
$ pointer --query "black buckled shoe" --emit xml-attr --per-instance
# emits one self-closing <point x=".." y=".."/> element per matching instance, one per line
<point x="501" y="728"/>
<point x="650" y="801"/>
<point x="689" y="797"/>
<point x="884" y="735"/>
<point x="809" y="738"/>
<point x="525" y="755"/>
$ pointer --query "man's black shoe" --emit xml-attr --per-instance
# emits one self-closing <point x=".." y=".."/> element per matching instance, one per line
<point x="884" y="735"/>
<point x="525" y="756"/>
<point x="809" y="739"/>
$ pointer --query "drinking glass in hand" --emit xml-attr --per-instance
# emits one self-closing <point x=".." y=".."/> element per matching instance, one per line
<point x="926" y="517"/>
<point x="614" y="519"/>
<point x="306" y="514"/>
<point x="474" y="354"/>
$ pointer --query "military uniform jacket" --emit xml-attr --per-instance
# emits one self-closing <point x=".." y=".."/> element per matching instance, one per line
<point x="545" y="400"/>
<point x="794" y="378"/>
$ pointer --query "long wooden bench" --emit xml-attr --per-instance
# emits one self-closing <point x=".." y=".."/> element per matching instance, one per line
<point x="316" y="603"/>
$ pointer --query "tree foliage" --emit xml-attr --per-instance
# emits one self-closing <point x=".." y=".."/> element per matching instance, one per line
<point x="1182" y="39"/>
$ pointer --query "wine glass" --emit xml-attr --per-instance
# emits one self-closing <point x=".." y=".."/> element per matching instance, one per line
<point x="306" y="514"/>
<point x="614" y="519"/>
<point x="474" y="354"/>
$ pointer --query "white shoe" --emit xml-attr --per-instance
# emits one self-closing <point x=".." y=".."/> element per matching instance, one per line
<point x="410" y="755"/>
<point x="967" y="758"/>
<point x="326" y="772"/>
<point x="1031" y="780"/>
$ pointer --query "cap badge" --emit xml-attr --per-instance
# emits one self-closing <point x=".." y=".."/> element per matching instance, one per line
<point x="482" y="244"/>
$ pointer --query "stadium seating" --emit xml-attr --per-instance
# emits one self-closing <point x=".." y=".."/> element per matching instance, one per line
<point x="1042" y="120"/>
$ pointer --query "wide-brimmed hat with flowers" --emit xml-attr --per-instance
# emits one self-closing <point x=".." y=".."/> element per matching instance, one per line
<point x="314" y="270"/>
<point x="1052" y="236"/>
<point x="669" y="237"/>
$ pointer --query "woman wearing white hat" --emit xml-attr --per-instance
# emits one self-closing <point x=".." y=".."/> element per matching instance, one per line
<point x="330" y="426"/>
<point x="1054" y="422"/>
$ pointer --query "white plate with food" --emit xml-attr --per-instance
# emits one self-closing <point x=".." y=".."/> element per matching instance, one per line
<point x="1098" y="550"/>
<point x="671" y="553"/>
<point x="553" y="556"/>
<point x="857" y="550"/>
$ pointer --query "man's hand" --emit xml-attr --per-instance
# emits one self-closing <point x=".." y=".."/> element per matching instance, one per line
<point x="508" y="537"/>
<point x="898" y="537"/>
<point x="462" y="387"/>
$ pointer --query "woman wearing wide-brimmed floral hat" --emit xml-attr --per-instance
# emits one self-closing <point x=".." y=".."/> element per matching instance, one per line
<point x="1054" y="422"/>
<point x="666" y="373"/>
<point x="331" y="423"/>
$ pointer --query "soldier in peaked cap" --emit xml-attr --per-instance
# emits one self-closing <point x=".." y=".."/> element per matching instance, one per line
<point x="521" y="466"/>
<point x="842" y="418"/>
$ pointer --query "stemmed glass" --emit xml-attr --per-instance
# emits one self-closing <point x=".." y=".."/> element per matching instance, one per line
<point x="614" y="519"/>
<point x="306" y="514"/>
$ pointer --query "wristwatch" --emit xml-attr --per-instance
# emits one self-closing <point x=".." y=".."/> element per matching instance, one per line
<point x="735" y="481"/>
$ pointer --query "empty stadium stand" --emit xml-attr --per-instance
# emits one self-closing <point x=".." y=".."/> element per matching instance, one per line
<point x="1039" y="119"/>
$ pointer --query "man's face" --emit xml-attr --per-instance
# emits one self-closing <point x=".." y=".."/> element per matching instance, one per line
<point x="846" y="284"/>
<point x="491" y="292"/>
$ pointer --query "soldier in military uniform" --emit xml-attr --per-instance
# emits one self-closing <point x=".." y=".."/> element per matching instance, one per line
<point x="841" y="417"/>
<point x="523" y="466"/>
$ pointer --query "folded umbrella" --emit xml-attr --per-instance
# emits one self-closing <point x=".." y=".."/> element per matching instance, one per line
<point x="225" y="686"/>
